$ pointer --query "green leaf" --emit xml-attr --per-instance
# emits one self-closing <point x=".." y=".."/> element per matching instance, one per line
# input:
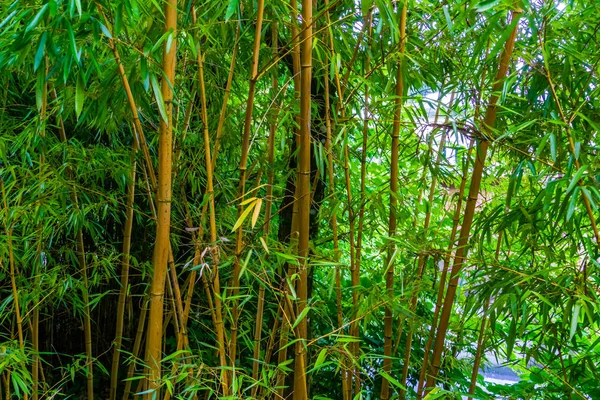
<point x="391" y="380"/>
<point x="553" y="146"/>
<point x="320" y="358"/>
<point x="39" y="54"/>
<point x="159" y="98"/>
<point x="486" y="5"/>
<point x="79" y="96"/>
<point x="574" y="320"/>
<point x="36" y="20"/>
<point x="8" y="18"/>
<point x="448" y="19"/>
<point x="78" y="5"/>
<point x="105" y="30"/>
<point x="242" y="217"/>
<point x="231" y="9"/>
<point x="572" y="204"/>
<point x="301" y="316"/>
<point x="576" y="178"/>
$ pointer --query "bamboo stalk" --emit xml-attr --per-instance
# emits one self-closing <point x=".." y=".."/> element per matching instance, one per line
<point x="125" y="263"/>
<point x="87" y="325"/>
<point x="461" y="249"/>
<point x="354" y="328"/>
<point x="303" y="184"/>
<point x="291" y="268"/>
<point x="239" y="237"/>
<point x="268" y="205"/>
<point x="481" y="337"/>
<point x="446" y="261"/>
<point x="150" y="174"/>
<point x="422" y="260"/>
<point x="13" y="281"/>
<point x="163" y="199"/>
<point x="442" y="284"/>
<point x="213" y="227"/>
<point x="336" y="246"/>
<point x="136" y="350"/>
<point x="389" y="281"/>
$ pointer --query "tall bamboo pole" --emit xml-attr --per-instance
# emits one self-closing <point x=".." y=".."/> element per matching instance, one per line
<point x="81" y="258"/>
<point x="163" y="199"/>
<point x="455" y="222"/>
<point x="461" y="250"/>
<point x="13" y="280"/>
<point x="291" y="270"/>
<point x="239" y="243"/>
<point x="336" y="246"/>
<point x="420" y="269"/>
<point x="389" y="280"/>
<point x="219" y="327"/>
<point x="303" y="179"/>
<point x="125" y="263"/>
<point x="354" y="331"/>
<point x="442" y="283"/>
<point x="268" y="206"/>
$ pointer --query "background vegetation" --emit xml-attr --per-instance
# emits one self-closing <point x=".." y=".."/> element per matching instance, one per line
<point x="269" y="199"/>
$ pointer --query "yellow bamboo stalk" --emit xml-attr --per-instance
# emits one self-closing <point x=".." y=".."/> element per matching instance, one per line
<point x="163" y="200"/>
<point x="389" y="281"/>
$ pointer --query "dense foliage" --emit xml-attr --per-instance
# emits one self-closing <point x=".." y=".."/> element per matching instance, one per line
<point x="333" y="199"/>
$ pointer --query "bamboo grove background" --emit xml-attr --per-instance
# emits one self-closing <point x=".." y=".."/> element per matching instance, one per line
<point x="317" y="199"/>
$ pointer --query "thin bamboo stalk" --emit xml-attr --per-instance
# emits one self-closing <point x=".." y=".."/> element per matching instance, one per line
<point x="567" y="123"/>
<point x="125" y="263"/>
<point x="336" y="246"/>
<point x="354" y="327"/>
<point x="389" y="281"/>
<point x="422" y="260"/>
<point x="163" y="199"/>
<point x="446" y="260"/>
<point x="219" y="327"/>
<point x="291" y="269"/>
<point x="151" y="175"/>
<point x="442" y="284"/>
<point x="481" y="337"/>
<point x="87" y="325"/>
<point x="13" y="280"/>
<point x="239" y="237"/>
<point x="461" y="249"/>
<point x="268" y="205"/>
<point x="136" y="350"/>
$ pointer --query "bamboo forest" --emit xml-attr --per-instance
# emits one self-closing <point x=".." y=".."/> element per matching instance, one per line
<point x="299" y="199"/>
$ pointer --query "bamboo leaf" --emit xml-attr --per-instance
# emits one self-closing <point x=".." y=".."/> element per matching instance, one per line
<point x="572" y="204"/>
<point x="256" y="213"/>
<point x="231" y="9"/>
<point x="8" y="18"/>
<point x="79" y="96"/>
<point x="391" y="380"/>
<point x="320" y="358"/>
<point x="301" y="316"/>
<point x="264" y="244"/>
<point x="553" y="146"/>
<point x="105" y="30"/>
<point x="36" y="20"/>
<point x="574" y="320"/>
<point x="159" y="98"/>
<point x="242" y="217"/>
<point x="486" y="5"/>
<point x="39" y="55"/>
<point x="576" y="178"/>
